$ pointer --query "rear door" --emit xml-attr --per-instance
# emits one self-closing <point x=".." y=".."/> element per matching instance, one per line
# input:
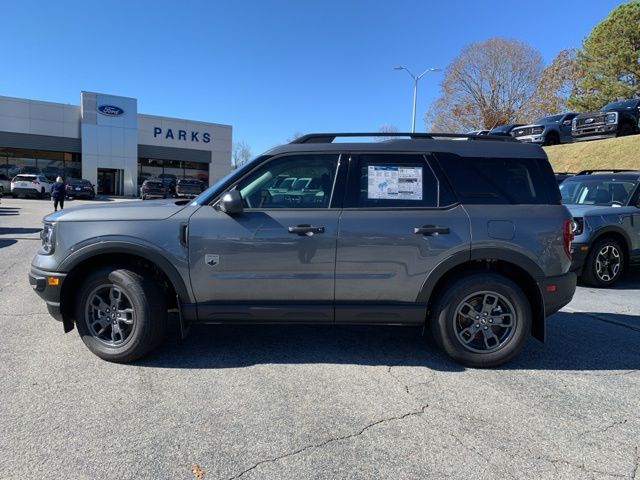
<point x="399" y="222"/>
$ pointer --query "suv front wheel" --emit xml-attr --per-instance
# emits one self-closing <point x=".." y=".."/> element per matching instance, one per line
<point x="121" y="315"/>
<point x="482" y="320"/>
<point x="605" y="263"/>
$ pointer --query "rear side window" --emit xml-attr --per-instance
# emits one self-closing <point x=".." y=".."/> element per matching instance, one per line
<point x="500" y="180"/>
<point x="394" y="180"/>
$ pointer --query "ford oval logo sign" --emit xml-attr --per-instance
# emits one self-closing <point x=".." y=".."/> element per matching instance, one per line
<point x="110" y="110"/>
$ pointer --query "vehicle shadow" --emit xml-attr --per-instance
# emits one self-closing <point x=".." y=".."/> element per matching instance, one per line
<point x="9" y="211"/>
<point x="629" y="281"/>
<point x="18" y="230"/>
<point x="575" y="341"/>
<point x="7" y="242"/>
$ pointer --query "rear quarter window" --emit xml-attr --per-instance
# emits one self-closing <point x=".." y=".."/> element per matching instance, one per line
<point x="502" y="181"/>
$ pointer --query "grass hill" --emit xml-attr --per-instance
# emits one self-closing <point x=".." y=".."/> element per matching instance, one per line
<point x="623" y="152"/>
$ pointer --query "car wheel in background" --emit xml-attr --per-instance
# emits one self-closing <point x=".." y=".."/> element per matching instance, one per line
<point x="605" y="263"/>
<point x="552" y="138"/>
<point x="625" y="130"/>
<point x="482" y="320"/>
<point x="121" y="315"/>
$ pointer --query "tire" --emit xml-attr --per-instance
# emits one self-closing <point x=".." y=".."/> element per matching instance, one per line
<point x="485" y="343"/>
<point x="43" y="194"/>
<point x="626" y="129"/>
<point x="144" y="197"/>
<point x="552" y="138"/>
<point x="605" y="263"/>
<point x="143" y="320"/>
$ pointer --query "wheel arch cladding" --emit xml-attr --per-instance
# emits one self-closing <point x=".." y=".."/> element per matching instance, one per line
<point x="119" y="257"/>
<point x="519" y="272"/>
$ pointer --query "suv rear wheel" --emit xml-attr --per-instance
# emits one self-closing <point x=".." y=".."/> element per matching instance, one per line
<point x="605" y="263"/>
<point x="121" y="315"/>
<point x="482" y="320"/>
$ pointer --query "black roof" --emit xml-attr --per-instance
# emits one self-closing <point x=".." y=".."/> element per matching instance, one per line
<point x="459" y="144"/>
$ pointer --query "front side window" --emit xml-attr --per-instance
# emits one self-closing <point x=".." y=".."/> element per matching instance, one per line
<point x="295" y="181"/>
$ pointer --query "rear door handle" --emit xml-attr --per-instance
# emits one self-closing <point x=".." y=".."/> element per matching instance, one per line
<point x="306" y="229"/>
<point x="430" y="230"/>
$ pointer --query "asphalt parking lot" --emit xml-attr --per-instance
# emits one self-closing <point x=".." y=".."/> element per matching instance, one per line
<point x="313" y="402"/>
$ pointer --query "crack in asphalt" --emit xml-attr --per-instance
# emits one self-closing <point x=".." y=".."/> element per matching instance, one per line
<point x="580" y="466"/>
<point x="603" y="429"/>
<point x="634" y="474"/>
<point x="331" y="440"/>
<point x="595" y="316"/>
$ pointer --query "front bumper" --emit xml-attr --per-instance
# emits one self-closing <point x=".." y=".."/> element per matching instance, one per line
<point x="579" y="252"/>
<point x="44" y="284"/>
<point x="595" y="133"/>
<point x="531" y="139"/>
<point x="557" y="291"/>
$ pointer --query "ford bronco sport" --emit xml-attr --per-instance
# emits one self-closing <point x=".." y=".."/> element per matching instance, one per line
<point x="465" y="235"/>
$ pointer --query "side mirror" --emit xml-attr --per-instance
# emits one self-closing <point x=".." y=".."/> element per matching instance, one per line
<point x="231" y="203"/>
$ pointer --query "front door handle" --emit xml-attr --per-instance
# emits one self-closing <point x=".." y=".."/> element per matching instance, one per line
<point x="430" y="230"/>
<point x="305" y="229"/>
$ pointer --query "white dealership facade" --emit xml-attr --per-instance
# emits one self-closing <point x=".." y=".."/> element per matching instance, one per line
<point x="106" y="141"/>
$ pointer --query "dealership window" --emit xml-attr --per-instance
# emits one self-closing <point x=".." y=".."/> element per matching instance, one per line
<point x="151" y="167"/>
<point x="48" y="163"/>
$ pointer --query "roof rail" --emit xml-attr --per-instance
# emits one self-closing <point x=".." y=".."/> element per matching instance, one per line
<point x="606" y="170"/>
<point x="330" y="137"/>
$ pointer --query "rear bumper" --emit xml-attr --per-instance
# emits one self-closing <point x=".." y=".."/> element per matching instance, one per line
<point x="25" y="191"/>
<point x="39" y="281"/>
<point x="557" y="291"/>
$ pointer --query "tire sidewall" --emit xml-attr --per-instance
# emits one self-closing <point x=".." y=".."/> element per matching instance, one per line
<point x="443" y="324"/>
<point x="591" y="277"/>
<point x="131" y="284"/>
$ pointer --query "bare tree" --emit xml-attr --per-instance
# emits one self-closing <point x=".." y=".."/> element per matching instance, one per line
<point x="294" y="136"/>
<point x="240" y="154"/>
<point x="489" y="83"/>
<point x="557" y="83"/>
<point x="386" y="128"/>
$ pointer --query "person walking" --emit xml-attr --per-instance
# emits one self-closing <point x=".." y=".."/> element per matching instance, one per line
<point x="58" y="191"/>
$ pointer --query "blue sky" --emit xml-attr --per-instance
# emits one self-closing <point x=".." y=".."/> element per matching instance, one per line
<point x="268" y="68"/>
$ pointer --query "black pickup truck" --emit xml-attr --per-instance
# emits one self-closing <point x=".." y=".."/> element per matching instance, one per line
<point x="615" y="119"/>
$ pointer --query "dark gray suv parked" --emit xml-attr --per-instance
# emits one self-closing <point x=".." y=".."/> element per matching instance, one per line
<point x="466" y="235"/>
<point x="606" y="208"/>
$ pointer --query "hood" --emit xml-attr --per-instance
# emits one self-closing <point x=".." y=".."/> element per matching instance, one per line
<point x="135" y="210"/>
<point x="583" y="210"/>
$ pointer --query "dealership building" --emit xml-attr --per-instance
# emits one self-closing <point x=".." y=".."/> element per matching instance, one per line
<point x="106" y="141"/>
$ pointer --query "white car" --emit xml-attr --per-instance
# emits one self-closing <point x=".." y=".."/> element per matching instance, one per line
<point x="29" y="184"/>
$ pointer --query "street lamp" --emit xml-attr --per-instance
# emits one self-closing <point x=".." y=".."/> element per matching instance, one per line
<point x="415" y="90"/>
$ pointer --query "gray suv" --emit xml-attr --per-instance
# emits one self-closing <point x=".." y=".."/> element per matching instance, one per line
<point x="606" y="209"/>
<point x="463" y="234"/>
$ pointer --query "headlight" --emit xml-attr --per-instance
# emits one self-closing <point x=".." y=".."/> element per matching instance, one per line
<point x="611" y="117"/>
<point x="47" y="239"/>
<point x="578" y="226"/>
<point x="537" y="130"/>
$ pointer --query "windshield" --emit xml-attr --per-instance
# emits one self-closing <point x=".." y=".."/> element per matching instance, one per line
<point x="620" y="105"/>
<point x="205" y="196"/>
<point x="593" y="191"/>
<point x="502" y="129"/>
<point x="551" y="119"/>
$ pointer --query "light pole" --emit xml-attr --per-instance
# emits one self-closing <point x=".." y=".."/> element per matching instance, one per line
<point x="415" y="90"/>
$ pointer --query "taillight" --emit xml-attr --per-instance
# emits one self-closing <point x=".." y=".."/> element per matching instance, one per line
<point x="35" y="181"/>
<point x="567" y="236"/>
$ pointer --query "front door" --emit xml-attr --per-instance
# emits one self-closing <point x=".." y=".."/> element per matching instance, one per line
<point x="399" y="222"/>
<point x="274" y="262"/>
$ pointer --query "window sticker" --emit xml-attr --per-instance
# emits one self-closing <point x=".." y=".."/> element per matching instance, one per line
<point x="394" y="183"/>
